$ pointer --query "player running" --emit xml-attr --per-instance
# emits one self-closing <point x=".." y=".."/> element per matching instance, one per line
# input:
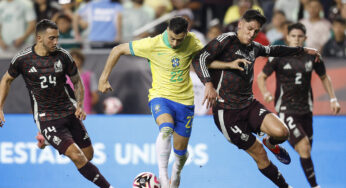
<point x="58" y="110"/>
<point x="236" y="113"/>
<point x="171" y="97"/>
<point x="293" y="96"/>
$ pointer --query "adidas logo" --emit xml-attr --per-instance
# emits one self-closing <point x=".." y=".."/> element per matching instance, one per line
<point x="32" y="70"/>
<point x="287" y="66"/>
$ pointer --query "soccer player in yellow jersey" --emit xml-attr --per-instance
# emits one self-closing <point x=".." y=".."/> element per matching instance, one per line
<point x="171" y="96"/>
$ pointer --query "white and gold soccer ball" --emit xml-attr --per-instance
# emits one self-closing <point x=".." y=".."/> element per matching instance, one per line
<point x="146" y="180"/>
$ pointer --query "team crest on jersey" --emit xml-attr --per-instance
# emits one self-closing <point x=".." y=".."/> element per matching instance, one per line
<point x="157" y="108"/>
<point x="308" y="66"/>
<point x="56" y="140"/>
<point x="175" y="62"/>
<point x="58" y="66"/>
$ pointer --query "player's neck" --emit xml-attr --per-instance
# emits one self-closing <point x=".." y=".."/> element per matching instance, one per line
<point x="40" y="50"/>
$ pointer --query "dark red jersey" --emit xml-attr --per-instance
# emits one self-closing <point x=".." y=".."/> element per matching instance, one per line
<point x="45" y="79"/>
<point x="293" y="82"/>
<point x="234" y="86"/>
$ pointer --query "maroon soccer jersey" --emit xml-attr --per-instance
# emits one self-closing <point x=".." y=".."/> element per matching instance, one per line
<point x="45" y="78"/>
<point x="234" y="86"/>
<point x="293" y="82"/>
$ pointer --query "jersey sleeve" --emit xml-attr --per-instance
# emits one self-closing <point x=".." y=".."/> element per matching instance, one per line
<point x="141" y="48"/>
<point x="208" y="54"/>
<point x="198" y="46"/>
<point x="319" y="67"/>
<point x="71" y="68"/>
<point x="14" y="70"/>
<point x="277" y="50"/>
<point x="270" y="66"/>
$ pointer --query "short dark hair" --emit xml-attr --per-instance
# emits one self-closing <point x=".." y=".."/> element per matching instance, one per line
<point x="178" y="25"/>
<point x="44" y="24"/>
<point x="297" y="25"/>
<point x="252" y="14"/>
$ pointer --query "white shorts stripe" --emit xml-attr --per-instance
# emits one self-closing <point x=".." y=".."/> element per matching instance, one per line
<point x="222" y="124"/>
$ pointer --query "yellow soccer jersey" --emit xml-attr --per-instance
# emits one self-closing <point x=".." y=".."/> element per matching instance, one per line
<point x="170" y="67"/>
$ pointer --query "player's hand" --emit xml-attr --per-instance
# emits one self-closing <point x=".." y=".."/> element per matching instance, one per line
<point x="2" y="118"/>
<point x="335" y="107"/>
<point x="239" y="64"/>
<point x="80" y="113"/>
<point x="210" y="95"/>
<point x="104" y="86"/>
<point x="313" y="51"/>
<point x="267" y="97"/>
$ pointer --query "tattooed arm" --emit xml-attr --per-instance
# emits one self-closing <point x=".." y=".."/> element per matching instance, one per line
<point x="79" y="93"/>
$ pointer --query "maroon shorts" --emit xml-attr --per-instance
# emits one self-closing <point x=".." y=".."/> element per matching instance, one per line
<point x="61" y="133"/>
<point x="299" y="126"/>
<point x="239" y="125"/>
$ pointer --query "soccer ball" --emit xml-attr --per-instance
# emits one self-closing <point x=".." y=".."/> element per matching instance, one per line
<point x="112" y="105"/>
<point x="146" y="180"/>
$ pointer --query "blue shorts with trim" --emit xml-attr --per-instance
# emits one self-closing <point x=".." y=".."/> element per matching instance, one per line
<point x="181" y="114"/>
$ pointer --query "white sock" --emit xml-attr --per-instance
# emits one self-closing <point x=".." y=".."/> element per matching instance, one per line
<point x="163" y="150"/>
<point x="178" y="165"/>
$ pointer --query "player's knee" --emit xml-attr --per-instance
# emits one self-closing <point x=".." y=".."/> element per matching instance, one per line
<point x="77" y="157"/>
<point x="283" y="132"/>
<point x="89" y="155"/>
<point x="304" y="149"/>
<point x="166" y="128"/>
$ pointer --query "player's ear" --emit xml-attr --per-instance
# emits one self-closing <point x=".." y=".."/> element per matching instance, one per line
<point x="240" y="23"/>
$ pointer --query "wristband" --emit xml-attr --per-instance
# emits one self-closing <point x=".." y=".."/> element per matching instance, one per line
<point x="333" y="99"/>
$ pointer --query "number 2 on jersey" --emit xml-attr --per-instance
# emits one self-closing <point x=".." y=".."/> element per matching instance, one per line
<point x="298" y="78"/>
<point x="51" y="79"/>
<point x="176" y="76"/>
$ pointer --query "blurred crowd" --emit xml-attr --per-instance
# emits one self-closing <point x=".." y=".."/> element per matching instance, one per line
<point x="99" y="24"/>
<point x="104" y="23"/>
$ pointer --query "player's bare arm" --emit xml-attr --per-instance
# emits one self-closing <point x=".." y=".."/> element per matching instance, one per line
<point x="30" y="29"/>
<point x="122" y="49"/>
<point x="261" y="82"/>
<point x="327" y="84"/>
<point x="4" y="89"/>
<point x="79" y="93"/>
<point x="238" y="64"/>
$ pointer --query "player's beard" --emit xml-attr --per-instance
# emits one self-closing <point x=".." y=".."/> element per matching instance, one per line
<point x="50" y="49"/>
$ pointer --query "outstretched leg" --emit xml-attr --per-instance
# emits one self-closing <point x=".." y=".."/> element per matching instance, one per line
<point x="164" y="146"/>
<point x="86" y="168"/>
<point x="267" y="168"/>
<point x="181" y="156"/>
<point x="303" y="148"/>
<point x="277" y="133"/>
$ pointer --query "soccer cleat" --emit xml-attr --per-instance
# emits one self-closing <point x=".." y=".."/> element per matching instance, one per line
<point x="280" y="153"/>
<point x="41" y="141"/>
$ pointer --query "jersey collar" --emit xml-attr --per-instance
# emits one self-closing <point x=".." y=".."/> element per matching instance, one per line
<point x="165" y="39"/>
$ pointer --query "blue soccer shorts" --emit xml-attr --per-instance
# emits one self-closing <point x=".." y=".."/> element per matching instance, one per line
<point x="181" y="114"/>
